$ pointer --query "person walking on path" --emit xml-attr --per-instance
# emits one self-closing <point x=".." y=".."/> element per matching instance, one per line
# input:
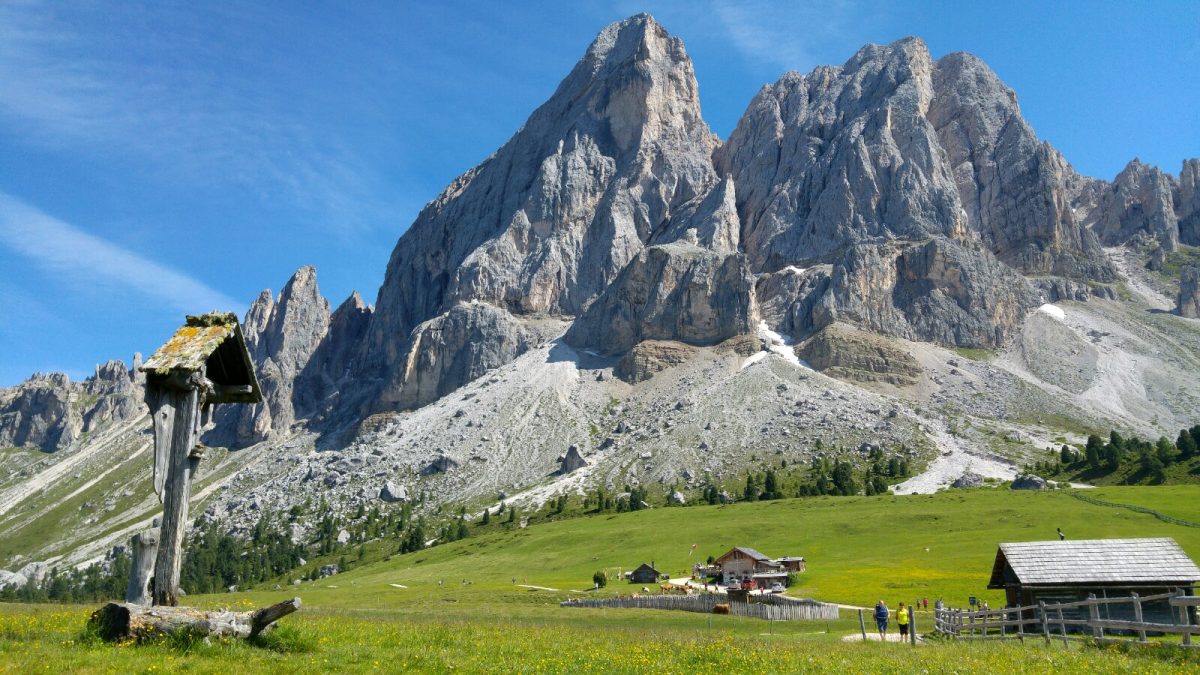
<point x="881" y="619"/>
<point x="902" y="621"/>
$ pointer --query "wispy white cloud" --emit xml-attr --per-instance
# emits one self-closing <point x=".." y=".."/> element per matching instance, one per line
<point x="797" y="35"/>
<point x="83" y="260"/>
<point x="145" y="83"/>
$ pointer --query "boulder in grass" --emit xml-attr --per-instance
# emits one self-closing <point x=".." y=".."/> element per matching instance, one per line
<point x="968" y="480"/>
<point x="392" y="492"/>
<point x="1029" y="483"/>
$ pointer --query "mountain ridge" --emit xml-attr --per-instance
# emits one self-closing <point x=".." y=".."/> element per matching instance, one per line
<point x="874" y="216"/>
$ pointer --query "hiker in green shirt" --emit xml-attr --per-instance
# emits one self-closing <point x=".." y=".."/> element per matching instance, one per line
<point x="902" y="621"/>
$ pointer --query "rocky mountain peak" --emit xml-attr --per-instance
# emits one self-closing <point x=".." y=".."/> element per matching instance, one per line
<point x="549" y="221"/>
<point x="281" y="336"/>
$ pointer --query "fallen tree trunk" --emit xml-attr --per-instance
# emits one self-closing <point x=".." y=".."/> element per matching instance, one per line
<point x="123" y="621"/>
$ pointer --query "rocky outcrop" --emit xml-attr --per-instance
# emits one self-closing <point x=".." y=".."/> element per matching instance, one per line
<point x="936" y="291"/>
<point x="848" y="353"/>
<point x="839" y="156"/>
<point x="1187" y="203"/>
<point x="1140" y="201"/>
<point x="392" y="492"/>
<point x="878" y="168"/>
<point x="571" y="461"/>
<point x="457" y="347"/>
<point x="549" y="221"/>
<point x="281" y="337"/>
<point x="1030" y="482"/>
<point x="49" y="411"/>
<point x="650" y="357"/>
<point x="1189" y="292"/>
<point x="439" y="464"/>
<point x="328" y="377"/>
<point x="1017" y="191"/>
<point x="677" y="291"/>
<point x="38" y="413"/>
<point x="969" y="479"/>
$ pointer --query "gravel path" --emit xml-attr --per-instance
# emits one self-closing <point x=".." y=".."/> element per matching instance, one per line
<point x="955" y="460"/>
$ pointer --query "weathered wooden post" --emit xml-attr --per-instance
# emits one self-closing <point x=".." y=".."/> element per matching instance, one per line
<point x="1045" y="620"/>
<point x="1094" y="616"/>
<point x="1185" y="618"/>
<point x="1137" y="616"/>
<point x="141" y="573"/>
<point x="204" y="363"/>
<point x="862" y="625"/>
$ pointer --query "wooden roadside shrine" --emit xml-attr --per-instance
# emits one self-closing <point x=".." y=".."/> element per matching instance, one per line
<point x="204" y="363"/>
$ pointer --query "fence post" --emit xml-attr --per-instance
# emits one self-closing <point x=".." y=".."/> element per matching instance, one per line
<point x="1020" y="624"/>
<point x="912" y="626"/>
<point x="1137" y="616"/>
<point x="1185" y="618"/>
<point x="1062" y="626"/>
<point x="1094" y="616"/>
<point x="862" y="624"/>
<point x="1045" y="624"/>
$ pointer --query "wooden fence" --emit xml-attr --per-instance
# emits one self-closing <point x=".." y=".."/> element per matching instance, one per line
<point x="1049" y="621"/>
<point x="1137" y="509"/>
<point x="771" y="608"/>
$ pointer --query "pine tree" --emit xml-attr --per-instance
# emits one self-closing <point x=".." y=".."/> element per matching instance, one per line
<point x="1094" y="446"/>
<point x="487" y="517"/>
<point x="770" y="486"/>
<point x="1186" y="444"/>
<point x="1165" y="450"/>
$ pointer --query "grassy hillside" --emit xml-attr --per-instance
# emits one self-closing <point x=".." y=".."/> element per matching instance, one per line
<point x="858" y="548"/>
<point x="393" y="614"/>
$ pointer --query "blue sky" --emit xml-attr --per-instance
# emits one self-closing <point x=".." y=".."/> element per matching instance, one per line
<point x="158" y="158"/>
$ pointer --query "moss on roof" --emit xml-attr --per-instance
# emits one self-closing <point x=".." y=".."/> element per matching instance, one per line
<point x="192" y="344"/>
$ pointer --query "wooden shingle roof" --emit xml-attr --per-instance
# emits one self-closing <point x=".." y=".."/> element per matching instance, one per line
<point x="749" y="552"/>
<point x="1094" y="561"/>
<point x="212" y="341"/>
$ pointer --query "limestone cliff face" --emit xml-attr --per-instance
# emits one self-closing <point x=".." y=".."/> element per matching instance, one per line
<point x="914" y="180"/>
<point x="1189" y="292"/>
<point x="1017" y="191"/>
<point x="50" y="412"/>
<point x="1187" y="203"/>
<point x="842" y="155"/>
<point x="1140" y="200"/>
<point x="327" y="378"/>
<point x="547" y="223"/>
<point x="281" y="337"/>
<point x="679" y="291"/>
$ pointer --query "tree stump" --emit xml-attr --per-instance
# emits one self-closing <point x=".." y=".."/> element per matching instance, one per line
<point x="124" y="621"/>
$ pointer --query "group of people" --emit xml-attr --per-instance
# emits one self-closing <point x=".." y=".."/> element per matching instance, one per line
<point x="883" y="616"/>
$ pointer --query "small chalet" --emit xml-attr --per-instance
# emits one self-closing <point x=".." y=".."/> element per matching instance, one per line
<point x="645" y="574"/>
<point x="742" y="564"/>
<point x="1068" y="571"/>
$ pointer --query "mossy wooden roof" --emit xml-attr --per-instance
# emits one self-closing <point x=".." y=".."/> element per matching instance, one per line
<point x="213" y="341"/>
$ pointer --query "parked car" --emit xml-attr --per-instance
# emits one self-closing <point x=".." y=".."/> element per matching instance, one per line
<point x="777" y="587"/>
<point x="734" y="586"/>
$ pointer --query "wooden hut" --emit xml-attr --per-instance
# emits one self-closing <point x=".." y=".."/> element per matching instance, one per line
<point x="742" y="563"/>
<point x="1067" y="571"/>
<point x="645" y="574"/>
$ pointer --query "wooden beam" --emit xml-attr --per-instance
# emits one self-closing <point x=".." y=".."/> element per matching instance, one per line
<point x="269" y="615"/>
<point x="141" y="572"/>
<point x="123" y="621"/>
<point x="176" y="493"/>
